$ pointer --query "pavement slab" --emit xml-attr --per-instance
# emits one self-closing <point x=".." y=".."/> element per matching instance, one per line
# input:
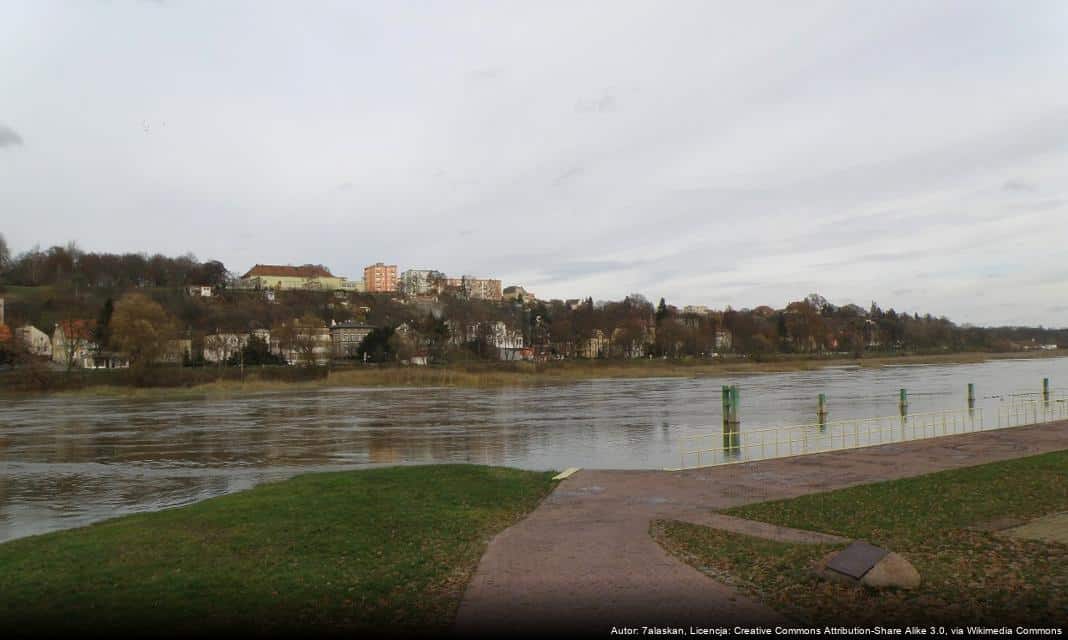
<point x="583" y="561"/>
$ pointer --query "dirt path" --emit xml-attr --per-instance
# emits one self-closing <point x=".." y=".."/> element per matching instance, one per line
<point x="583" y="561"/>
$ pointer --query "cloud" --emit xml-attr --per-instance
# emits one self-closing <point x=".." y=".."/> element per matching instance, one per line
<point x="603" y="104"/>
<point x="9" y="137"/>
<point x="568" y="176"/>
<point x="1018" y="186"/>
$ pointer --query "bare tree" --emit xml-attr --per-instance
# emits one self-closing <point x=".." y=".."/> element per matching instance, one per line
<point x="5" y="253"/>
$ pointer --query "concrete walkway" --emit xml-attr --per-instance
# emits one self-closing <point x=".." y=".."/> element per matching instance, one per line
<point x="583" y="561"/>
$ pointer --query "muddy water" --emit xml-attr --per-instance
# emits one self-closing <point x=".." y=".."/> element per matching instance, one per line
<point x="66" y="462"/>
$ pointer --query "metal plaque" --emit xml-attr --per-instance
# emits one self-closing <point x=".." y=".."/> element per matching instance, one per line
<point x="856" y="559"/>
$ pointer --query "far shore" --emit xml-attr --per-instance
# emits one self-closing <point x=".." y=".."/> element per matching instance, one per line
<point x="491" y="375"/>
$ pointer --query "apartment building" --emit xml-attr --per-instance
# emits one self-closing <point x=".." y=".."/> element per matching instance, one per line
<point x="380" y="278"/>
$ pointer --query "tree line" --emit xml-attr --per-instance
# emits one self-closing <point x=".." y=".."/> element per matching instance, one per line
<point x="66" y="284"/>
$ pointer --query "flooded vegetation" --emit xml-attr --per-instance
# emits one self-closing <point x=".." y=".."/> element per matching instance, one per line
<point x="68" y="461"/>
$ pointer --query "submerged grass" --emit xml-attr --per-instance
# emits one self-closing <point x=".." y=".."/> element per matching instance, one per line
<point x="969" y="576"/>
<point x="384" y="549"/>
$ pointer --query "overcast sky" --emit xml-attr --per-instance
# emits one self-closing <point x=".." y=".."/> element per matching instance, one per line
<point x="913" y="153"/>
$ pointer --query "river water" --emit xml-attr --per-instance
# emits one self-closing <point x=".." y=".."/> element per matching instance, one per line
<point x="66" y="462"/>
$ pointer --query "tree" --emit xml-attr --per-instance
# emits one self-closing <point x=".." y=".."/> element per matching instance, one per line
<point x="5" y="253"/>
<point x="102" y="330"/>
<point x="255" y="352"/>
<point x="141" y="329"/>
<point x="376" y="346"/>
<point x="661" y="311"/>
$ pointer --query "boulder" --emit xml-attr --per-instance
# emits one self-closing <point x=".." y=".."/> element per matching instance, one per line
<point x="892" y="572"/>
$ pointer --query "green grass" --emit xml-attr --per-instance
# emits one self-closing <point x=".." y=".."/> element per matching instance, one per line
<point x="331" y="552"/>
<point x="969" y="577"/>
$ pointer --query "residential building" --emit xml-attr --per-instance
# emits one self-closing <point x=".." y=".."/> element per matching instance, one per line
<point x="497" y="335"/>
<point x="220" y="347"/>
<point x="280" y="277"/>
<point x="34" y="341"/>
<point x="516" y="293"/>
<point x="345" y="337"/>
<point x="177" y="351"/>
<point x="199" y="290"/>
<point x="72" y="344"/>
<point x="303" y="342"/>
<point x="697" y="309"/>
<point x="596" y="346"/>
<point x="421" y="282"/>
<point x="380" y="278"/>
<point x="481" y="288"/>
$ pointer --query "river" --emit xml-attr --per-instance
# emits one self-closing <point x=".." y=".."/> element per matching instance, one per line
<point x="69" y="461"/>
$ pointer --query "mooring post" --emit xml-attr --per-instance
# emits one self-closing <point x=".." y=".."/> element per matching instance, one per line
<point x="1045" y="389"/>
<point x="730" y="420"/>
<point x="726" y="391"/>
<point x="971" y="395"/>
<point x="821" y="409"/>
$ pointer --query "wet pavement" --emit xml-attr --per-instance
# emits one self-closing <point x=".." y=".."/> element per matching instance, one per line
<point x="584" y="561"/>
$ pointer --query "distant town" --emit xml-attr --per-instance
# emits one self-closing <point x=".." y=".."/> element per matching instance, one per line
<point x="67" y="309"/>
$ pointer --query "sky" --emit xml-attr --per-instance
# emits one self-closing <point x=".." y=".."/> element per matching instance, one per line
<point x="715" y="153"/>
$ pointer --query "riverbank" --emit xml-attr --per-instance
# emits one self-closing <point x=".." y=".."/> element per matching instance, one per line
<point x="224" y="382"/>
<point x="941" y="522"/>
<point x="385" y="550"/>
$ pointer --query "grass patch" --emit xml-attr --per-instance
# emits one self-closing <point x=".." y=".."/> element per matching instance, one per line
<point x="969" y="577"/>
<point x="386" y="549"/>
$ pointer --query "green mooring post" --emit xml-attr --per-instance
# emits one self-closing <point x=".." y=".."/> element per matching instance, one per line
<point x="971" y="395"/>
<point x="726" y="391"/>
<point x="730" y="420"/>
<point x="903" y="401"/>
<point x="1045" y="389"/>
<point x="821" y="408"/>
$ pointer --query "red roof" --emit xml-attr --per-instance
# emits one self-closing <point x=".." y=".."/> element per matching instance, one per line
<point x="288" y="271"/>
<point x="80" y="328"/>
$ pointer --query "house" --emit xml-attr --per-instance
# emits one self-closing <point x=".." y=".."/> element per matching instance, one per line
<point x="300" y="342"/>
<point x="199" y="290"/>
<point x="220" y="347"/>
<point x="177" y="351"/>
<point x="596" y="346"/>
<point x="280" y="277"/>
<point x="34" y="341"/>
<point x="72" y="344"/>
<point x="516" y="293"/>
<point x="345" y="337"/>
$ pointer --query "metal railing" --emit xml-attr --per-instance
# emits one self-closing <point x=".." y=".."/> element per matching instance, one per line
<point x="727" y="447"/>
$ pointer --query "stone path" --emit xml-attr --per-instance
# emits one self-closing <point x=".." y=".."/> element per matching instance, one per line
<point x="583" y="561"/>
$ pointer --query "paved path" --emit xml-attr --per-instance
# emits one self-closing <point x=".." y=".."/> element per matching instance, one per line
<point x="584" y="561"/>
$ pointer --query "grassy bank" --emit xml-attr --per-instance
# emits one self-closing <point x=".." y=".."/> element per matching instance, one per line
<point x="969" y="576"/>
<point x="222" y="382"/>
<point x="387" y="549"/>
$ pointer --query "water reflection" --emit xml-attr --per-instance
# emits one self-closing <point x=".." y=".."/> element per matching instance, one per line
<point x="69" y="461"/>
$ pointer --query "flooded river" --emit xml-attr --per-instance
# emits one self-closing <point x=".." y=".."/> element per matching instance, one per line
<point x="66" y="462"/>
